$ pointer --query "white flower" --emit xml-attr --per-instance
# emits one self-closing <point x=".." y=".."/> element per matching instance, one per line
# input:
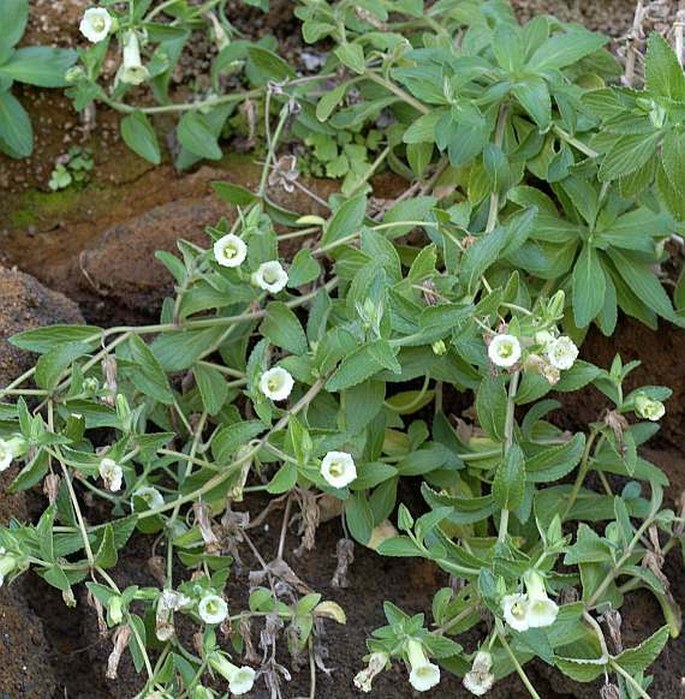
<point x="95" y="24"/>
<point x="8" y="563"/>
<point x="515" y="611"/>
<point x="542" y="611"/>
<point x="504" y="350"/>
<point x="562" y="352"/>
<point x="230" y="251"/>
<point x="424" y="675"/>
<point x="6" y="455"/>
<point x="338" y="468"/>
<point x="543" y="338"/>
<point x="150" y="495"/>
<point x="111" y="473"/>
<point x="276" y="383"/>
<point x="270" y="276"/>
<point x="649" y="409"/>
<point x="132" y="70"/>
<point x="212" y="609"/>
<point x="10" y="449"/>
<point x="479" y="679"/>
<point x="240" y="679"/>
<point x="364" y="678"/>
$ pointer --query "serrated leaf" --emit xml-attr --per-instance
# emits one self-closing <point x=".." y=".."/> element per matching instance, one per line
<point x="509" y="484"/>
<point x="491" y="406"/>
<point x="230" y="438"/>
<point x="212" y="386"/>
<point x="147" y="375"/>
<point x="554" y="463"/>
<point x="663" y="73"/>
<point x="638" y="659"/>
<point x="345" y="221"/>
<point x="627" y="154"/>
<point x="352" y="55"/>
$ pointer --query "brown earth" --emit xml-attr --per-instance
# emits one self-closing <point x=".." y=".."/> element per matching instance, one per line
<point x="96" y="244"/>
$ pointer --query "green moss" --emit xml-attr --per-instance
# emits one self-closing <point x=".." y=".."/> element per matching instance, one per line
<point x="35" y="206"/>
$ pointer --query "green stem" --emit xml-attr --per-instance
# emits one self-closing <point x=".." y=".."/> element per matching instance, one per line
<point x="629" y="679"/>
<point x="519" y="670"/>
<point x="508" y="443"/>
<point x="398" y="91"/>
<point x="582" y="474"/>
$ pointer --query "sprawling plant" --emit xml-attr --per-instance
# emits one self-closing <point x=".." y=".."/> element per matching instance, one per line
<point x="324" y="378"/>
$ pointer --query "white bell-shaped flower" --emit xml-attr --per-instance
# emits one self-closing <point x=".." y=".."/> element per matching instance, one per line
<point x="240" y="679"/>
<point x="338" y="468"/>
<point x="152" y="497"/>
<point x="424" y="675"/>
<point x="276" y="383"/>
<point x="504" y="350"/>
<point x="515" y="611"/>
<point x="649" y="409"/>
<point x="96" y="24"/>
<point x="270" y="276"/>
<point x="212" y="609"/>
<point x="111" y="473"/>
<point x="132" y="70"/>
<point x="230" y="251"/>
<point x="10" y="449"/>
<point x="8" y="562"/>
<point x="542" y="611"/>
<point x="562" y="352"/>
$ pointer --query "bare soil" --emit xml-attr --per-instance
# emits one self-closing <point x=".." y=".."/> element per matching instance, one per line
<point x="95" y="245"/>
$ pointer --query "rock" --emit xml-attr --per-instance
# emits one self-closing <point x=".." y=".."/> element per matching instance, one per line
<point x="26" y="303"/>
<point x="121" y="263"/>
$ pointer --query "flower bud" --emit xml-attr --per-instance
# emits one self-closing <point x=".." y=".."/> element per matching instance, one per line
<point x="649" y="409"/>
<point x="439" y="347"/>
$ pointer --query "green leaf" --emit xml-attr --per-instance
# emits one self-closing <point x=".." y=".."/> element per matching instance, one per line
<point x="673" y="159"/>
<point x="44" y="339"/>
<point x="553" y="463"/>
<point x="234" y="193"/>
<point x="533" y="95"/>
<point x="361" y="364"/>
<point x="564" y="49"/>
<point x="643" y="283"/>
<point x="230" y="438"/>
<point x="352" y="55"/>
<point x="284" y="479"/>
<point x="359" y="517"/>
<point x="14" y="15"/>
<point x="330" y="100"/>
<point x="52" y="364"/>
<point x="196" y="134"/>
<point x="638" y="659"/>
<point x="212" y="386"/>
<point x="106" y="556"/>
<point x="510" y="479"/>
<point x="176" y="351"/>
<point x="663" y="74"/>
<point x="282" y="328"/>
<point x="147" y="375"/>
<point x="345" y="221"/>
<point x="269" y="65"/>
<point x="304" y="269"/>
<point x="627" y="154"/>
<point x="16" y="133"/>
<point x="140" y="137"/>
<point x="580" y="670"/>
<point x="399" y="547"/>
<point x="589" y="286"/>
<point x="491" y="406"/>
<point x="41" y="66"/>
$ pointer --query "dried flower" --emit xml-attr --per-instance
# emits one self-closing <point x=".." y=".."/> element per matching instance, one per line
<point x="169" y="602"/>
<point x="562" y="352"/>
<point x="212" y="609"/>
<point x="111" y="473"/>
<point x="132" y="70"/>
<point x="376" y="664"/>
<point x="424" y="675"/>
<point x="649" y="409"/>
<point x="121" y="638"/>
<point x="240" y="679"/>
<point x="276" y="383"/>
<point x="504" y="350"/>
<point x="270" y="276"/>
<point x="338" y="469"/>
<point x="230" y="251"/>
<point x="479" y="679"/>
<point x="96" y="24"/>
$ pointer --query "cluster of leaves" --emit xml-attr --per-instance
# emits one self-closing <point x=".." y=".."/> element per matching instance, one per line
<point x="523" y="223"/>
<point x="71" y="168"/>
<point x="33" y="65"/>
